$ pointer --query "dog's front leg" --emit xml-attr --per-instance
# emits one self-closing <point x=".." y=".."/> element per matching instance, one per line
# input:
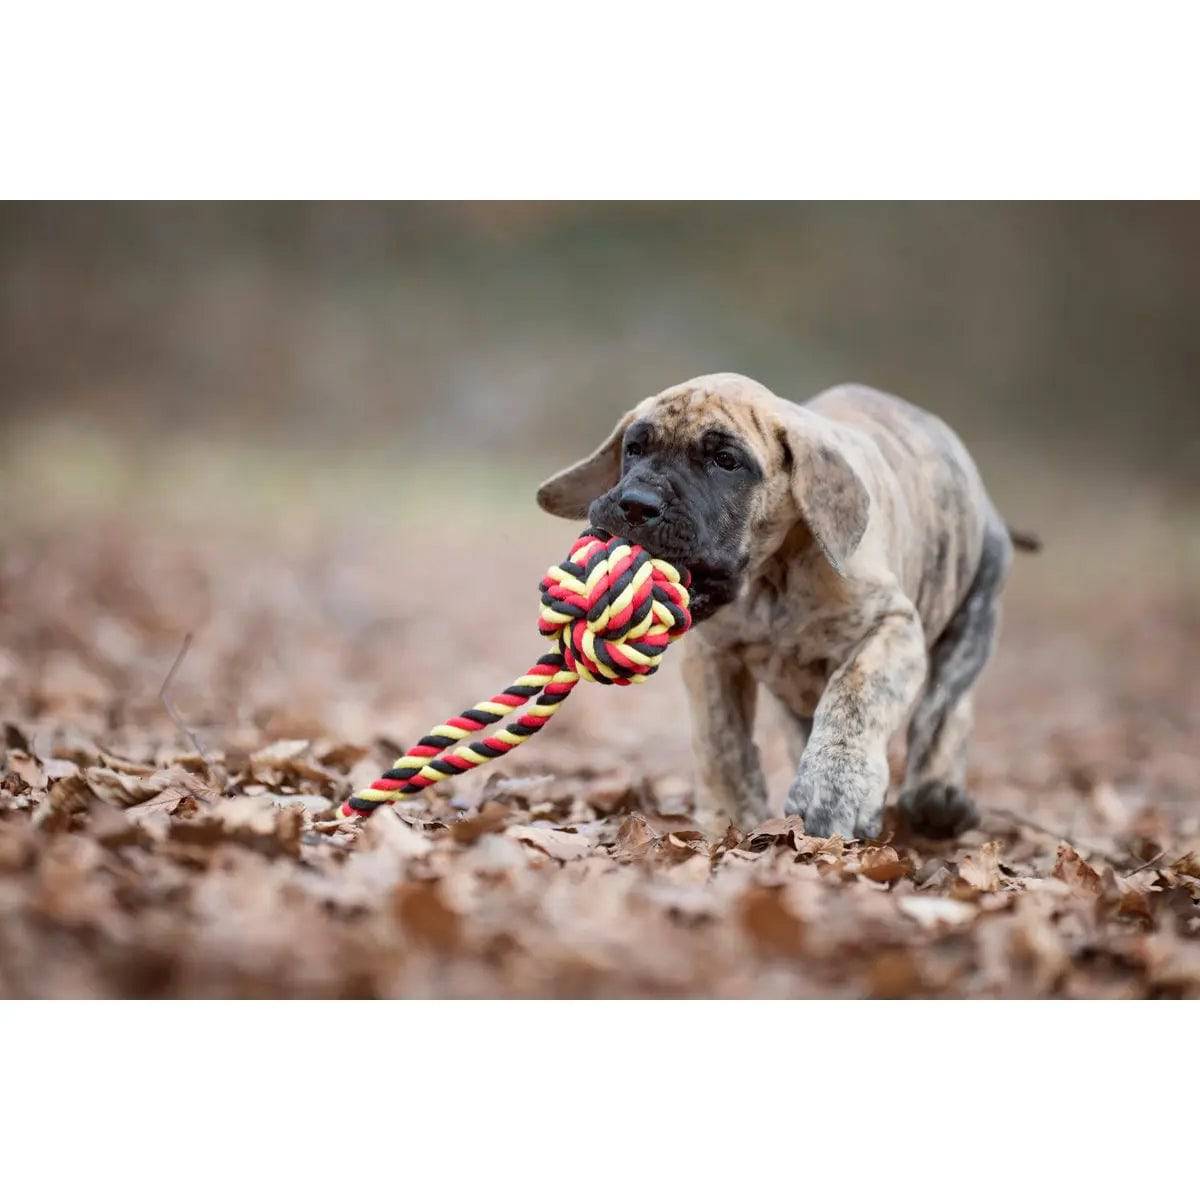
<point x="722" y="695"/>
<point x="842" y="780"/>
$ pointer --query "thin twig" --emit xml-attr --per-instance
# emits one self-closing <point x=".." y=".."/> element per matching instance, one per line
<point x="1148" y="863"/>
<point x="180" y="723"/>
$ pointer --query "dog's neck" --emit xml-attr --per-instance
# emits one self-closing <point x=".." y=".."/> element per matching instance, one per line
<point x="771" y="568"/>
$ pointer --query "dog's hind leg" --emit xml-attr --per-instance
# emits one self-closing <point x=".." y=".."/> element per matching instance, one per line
<point x="934" y="800"/>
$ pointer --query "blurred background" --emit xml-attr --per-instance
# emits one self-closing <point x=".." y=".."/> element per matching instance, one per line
<point x="1065" y="332"/>
<point x="251" y="420"/>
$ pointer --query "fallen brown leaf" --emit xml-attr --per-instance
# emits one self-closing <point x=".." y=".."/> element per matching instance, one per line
<point x="1188" y="864"/>
<point x="773" y="831"/>
<point x="882" y="864"/>
<point x="634" y="833"/>
<point x="980" y="870"/>
<point x="1082" y="878"/>
<point x="26" y="768"/>
<point x="556" y="843"/>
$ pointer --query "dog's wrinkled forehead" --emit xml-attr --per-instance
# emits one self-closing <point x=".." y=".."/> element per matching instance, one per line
<point x="732" y="404"/>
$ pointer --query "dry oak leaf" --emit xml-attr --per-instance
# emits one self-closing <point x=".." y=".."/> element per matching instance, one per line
<point x="634" y="834"/>
<point x="682" y="845"/>
<point x="731" y="838"/>
<point x="774" y="831"/>
<point x="342" y="756"/>
<point x="1082" y="878"/>
<point x="882" y="864"/>
<point x="828" y="850"/>
<point x="980" y="869"/>
<point x="177" y="785"/>
<point x="258" y="822"/>
<point x="1133" y="897"/>
<point x="26" y="768"/>
<point x="1189" y="864"/>
<point x="285" y="762"/>
<point x="164" y="804"/>
<point x="66" y="799"/>
<point x="251" y="821"/>
<point x="122" y="789"/>
<point x="558" y="844"/>
<point x="126" y="766"/>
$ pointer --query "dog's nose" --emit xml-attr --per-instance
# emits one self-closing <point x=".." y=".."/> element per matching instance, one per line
<point x="640" y="505"/>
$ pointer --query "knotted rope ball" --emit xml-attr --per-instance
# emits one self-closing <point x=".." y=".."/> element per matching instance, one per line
<point x="611" y="611"/>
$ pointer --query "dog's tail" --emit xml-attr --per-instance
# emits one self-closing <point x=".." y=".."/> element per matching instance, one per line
<point x="1029" y="542"/>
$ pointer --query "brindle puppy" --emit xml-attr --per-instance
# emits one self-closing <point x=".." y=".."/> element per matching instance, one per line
<point x="845" y="555"/>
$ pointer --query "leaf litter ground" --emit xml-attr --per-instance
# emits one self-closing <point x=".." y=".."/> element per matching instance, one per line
<point x="144" y="856"/>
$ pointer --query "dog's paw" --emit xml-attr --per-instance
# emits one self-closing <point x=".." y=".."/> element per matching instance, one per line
<point x="839" y="791"/>
<point x="938" y="810"/>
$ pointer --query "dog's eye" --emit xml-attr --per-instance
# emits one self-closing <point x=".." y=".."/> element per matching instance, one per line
<point x="634" y="450"/>
<point x="727" y="460"/>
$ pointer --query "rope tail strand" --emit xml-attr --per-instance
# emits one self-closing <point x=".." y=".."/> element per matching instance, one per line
<point x="611" y="610"/>
<point x="431" y="760"/>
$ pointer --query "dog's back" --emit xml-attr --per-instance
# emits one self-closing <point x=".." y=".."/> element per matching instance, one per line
<point x="945" y="515"/>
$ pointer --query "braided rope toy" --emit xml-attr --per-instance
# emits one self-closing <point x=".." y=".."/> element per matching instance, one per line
<point x="610" y="609"/>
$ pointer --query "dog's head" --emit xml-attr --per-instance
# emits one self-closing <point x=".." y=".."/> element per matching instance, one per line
<point x="711" y="475"/>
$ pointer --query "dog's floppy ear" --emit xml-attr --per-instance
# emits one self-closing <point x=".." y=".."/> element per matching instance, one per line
<point x="571" y="491"/>
<point x="831" y="497"/>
